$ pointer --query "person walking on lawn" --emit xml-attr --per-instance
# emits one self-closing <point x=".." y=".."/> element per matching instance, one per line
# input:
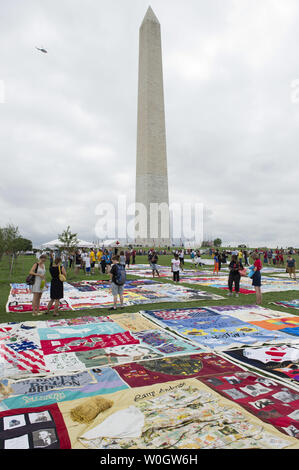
<point x="154" y="262"/>
<point x="117" y="279"/>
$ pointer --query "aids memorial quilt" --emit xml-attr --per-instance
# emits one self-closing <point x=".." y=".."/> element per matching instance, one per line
<point x="288" y="303"/>
<point x="179" y="415"/>
<point x="42" y="391"/>
<point x="98" y="294"/>
<point x="269" y="284"/>
<point x="281" y="361"/>
<point x="214" y="330"/>
<point x="270" y="401"/>
<point x="58" y="346"/>
<point x="43" y="428"/>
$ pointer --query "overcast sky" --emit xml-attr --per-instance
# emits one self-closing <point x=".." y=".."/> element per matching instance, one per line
<point x="69" y="118"/>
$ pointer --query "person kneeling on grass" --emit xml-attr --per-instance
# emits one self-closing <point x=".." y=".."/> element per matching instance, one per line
<point x="117" y="279"/>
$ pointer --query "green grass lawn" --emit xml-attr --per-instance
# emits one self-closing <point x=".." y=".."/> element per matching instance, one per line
<point x="24" y="263"/>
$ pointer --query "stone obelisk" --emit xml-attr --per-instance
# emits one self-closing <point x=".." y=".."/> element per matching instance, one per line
<point x="151" y="166"/>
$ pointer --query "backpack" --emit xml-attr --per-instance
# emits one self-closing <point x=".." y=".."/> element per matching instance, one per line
<point x="120" y="275"/>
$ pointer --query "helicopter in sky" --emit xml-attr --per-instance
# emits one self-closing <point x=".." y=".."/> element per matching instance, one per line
<point x="42" y="50"/>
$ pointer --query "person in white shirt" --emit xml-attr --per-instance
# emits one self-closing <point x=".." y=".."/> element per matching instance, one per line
<point x="175" y="268"/>
<point x="86" y="259"/>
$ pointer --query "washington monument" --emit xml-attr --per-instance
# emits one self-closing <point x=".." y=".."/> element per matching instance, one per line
<point x="152" y="219"/>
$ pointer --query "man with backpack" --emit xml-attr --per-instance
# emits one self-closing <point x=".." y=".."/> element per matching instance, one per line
<point x="118" y="279"/>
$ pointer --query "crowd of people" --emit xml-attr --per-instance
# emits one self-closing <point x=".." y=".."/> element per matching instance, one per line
<point x="108" y="261"/>
<point x="86" y="260"/>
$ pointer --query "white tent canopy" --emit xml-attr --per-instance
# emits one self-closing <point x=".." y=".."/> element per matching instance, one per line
<point x="108" y="243"/>
<point x="55" y="243"/>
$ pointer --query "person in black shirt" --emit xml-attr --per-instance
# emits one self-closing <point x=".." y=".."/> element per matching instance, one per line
<point x="116" y="289"/>
<point x="56" y="289"/>
<point x="234" y="275"/>
<point x="154" y="261"/>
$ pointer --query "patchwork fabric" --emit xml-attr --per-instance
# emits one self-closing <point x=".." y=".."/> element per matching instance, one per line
<point x="288" y="303"/>
<point x="247" y="313"/>
<point x="269" y="284"/>
<point x="213" y="330"/>
<point x="42" y="429"/>
<point x="280" y="360"/>
<point x="97" y="294"/>
<point x="188" y="417"/>
<point x="167" y="369"/>
<point x="56" y="347"/>
<point x="289" y="325"/>
<point x="100" y="382"/>
<point x="87" y="343"/>
<point x="270" y="401"/>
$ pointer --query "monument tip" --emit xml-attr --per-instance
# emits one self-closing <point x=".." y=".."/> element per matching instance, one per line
<point x="150" y="16"/>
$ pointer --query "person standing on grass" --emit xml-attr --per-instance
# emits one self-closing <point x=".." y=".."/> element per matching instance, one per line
<point x="103" y="262"/>
<point x="257" y="278"/>
<point x="133" y="256"/>
<point x="108" y="260"/>
<point x="270" y="254"/>
<point x="216" y="264"/>
<point x="154" y="262"/>
<point x="56" y="289"/>
<point x="219" y="260"/>
<point x="128" y="258"/>
<point x="182" y="261"/>
<point x="122" y="258"/>
<point x="71" y="260"/>
<point x="117" y="279"/>
<point x="291" y="267"/>
<point x="92" y="258"/>
<point x="175" y="268"/>
<point x="149" y="257"/>
<point x="99" y="257"/>
<point x="234" y="275"/>
<point x="38" y="270"/>
<point x="265" y="257"/>
<point x="87" y="264"/>
<point x="78" y="261"/>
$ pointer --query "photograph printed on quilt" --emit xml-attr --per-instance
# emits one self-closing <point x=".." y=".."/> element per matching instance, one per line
<point x="269" y="400"/>
<point x="43" y="428"/>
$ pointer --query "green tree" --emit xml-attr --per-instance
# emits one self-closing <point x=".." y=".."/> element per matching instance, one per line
<point x="217" y="242"/>
<point x="22" y="244"/>
<point x="8" y="237"/>
<point x="69" y="240"/>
